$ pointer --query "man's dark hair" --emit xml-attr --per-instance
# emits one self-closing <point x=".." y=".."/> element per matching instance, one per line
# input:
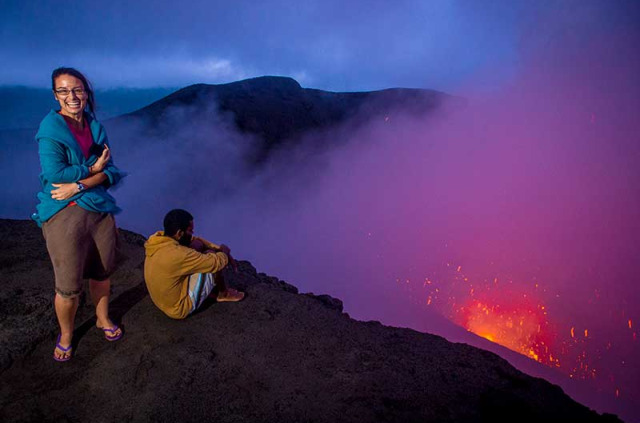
<point x="176" y="220"/>
<point x="91" y="102"/>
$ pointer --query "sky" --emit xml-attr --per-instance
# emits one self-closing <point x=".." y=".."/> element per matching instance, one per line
<point x="523" y="206"/>
<point x="329" y="44"/>
<point x="332" y="45"/>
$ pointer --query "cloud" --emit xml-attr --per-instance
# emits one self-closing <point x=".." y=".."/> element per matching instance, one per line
<point x="173" y="70"/>
<point x="358" y="46"/>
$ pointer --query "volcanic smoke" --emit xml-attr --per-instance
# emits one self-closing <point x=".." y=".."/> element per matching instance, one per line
<point x="516" y="217"/>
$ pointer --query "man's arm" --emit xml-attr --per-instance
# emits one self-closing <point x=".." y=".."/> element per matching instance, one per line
<point x="204" y="246"/>
<point x="227" y="251"/>
<point x="201" y="244"/>
<point x="195" y="262"/>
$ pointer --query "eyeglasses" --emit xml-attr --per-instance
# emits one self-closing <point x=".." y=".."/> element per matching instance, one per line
<point x="63" y="92"/>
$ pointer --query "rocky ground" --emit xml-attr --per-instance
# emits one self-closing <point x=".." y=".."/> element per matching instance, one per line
<point x="276" y="356"/>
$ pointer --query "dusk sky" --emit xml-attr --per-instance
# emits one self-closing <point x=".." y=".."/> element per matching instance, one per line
<point x="526" y="201"/>
<point x="332" y="45"/>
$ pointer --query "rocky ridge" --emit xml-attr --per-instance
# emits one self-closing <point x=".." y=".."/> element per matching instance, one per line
<point x="277" y="111"/>
<point x="276" y="356"/>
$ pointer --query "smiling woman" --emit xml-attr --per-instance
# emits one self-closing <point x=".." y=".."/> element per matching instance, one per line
<point x="72" y="100"/>
<point x="75" y="209"/>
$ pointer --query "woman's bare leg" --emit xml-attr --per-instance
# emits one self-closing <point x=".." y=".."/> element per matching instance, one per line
<point x="100" y="291"/>
<point x="66" y="313"/>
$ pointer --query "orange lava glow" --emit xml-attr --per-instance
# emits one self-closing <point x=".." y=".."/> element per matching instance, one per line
<point x="523" y="316"/>
<point x="519" y="328"/>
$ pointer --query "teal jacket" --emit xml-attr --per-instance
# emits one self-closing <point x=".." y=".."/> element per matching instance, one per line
<point x="62" y="161"/>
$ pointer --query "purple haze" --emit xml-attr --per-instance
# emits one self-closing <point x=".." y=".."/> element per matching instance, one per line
<point x="535" y="185"/>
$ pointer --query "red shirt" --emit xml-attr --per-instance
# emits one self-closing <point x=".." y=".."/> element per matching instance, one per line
<point x="83" y="136"/>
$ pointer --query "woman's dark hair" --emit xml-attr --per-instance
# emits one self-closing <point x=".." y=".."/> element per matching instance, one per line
<point x="176" y="220"/>
<point x="91" y="102"/>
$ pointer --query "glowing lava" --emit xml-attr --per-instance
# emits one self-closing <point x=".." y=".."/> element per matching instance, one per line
<point x="521" y="313"/>
<point x="521" y="328"/>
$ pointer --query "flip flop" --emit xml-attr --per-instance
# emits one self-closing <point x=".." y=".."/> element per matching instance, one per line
<point x="111" y="338"/>
<point x="231" y="295"/>
<point x="69" y="349"/>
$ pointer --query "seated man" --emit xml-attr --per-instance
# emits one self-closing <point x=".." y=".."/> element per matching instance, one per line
<point x="180" y="269"/>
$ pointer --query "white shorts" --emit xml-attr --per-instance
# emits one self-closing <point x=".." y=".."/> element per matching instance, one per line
<point x="200" y="286"/>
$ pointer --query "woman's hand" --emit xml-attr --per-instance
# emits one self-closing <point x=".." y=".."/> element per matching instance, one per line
<point x="101" y="163"/>
<point x="64" y="191"/>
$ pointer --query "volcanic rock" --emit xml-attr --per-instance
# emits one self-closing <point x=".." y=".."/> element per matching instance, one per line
<point x="276" y="356"/>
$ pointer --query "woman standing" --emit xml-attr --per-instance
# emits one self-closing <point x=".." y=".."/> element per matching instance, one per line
<point x="75" y="210"/>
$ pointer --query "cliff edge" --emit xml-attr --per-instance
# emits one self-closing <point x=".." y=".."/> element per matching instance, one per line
<point x="276" y="356"/>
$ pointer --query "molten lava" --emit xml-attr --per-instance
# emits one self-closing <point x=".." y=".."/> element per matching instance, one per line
<point x="520" y="327"/>
<point x="512" y="311"/>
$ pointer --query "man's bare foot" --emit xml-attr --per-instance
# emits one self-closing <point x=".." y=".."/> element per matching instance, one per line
<point x="230" y="294"/>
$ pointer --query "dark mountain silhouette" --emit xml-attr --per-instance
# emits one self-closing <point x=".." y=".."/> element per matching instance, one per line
<point x="276" y="356"/>
<point x="278" y="111"/>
